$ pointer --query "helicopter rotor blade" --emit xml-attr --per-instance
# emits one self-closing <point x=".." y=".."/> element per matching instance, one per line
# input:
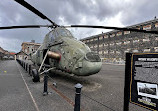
<point x="25" y="26"/>
<point x="109" y="27"/>
<point x="80" y="26"/>
<point x="35" y="11"/>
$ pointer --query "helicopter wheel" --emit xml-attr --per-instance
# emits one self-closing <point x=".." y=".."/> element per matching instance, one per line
<point x="35" y="76"/>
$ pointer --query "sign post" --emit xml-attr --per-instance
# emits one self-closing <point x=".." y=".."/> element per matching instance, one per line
<point x="141" y="80"/>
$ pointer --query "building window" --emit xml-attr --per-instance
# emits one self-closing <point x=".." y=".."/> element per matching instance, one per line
<point x="25" y="50"/>
<point x="147" y="27"/>
<point x="101" y="38"/>
<point x="96" y="39"/>
<point x="105" y="45"/>
<point x="105" y="36"/>
<point x="118" y="52"/>
<point x="156" y="38"/>
<point x="100" y="52"/>
<point x="126" y="51"/>
<point x="135" y="41"/>
<point x="135" y="50"/>
<point x="106" y="52"/>
<point x="112" y="52"/>
<point x="100" y="45"/>
<point x="119" y="33"/>
<point x="147" y="50"/>
<point x="146" y="40"/>
<point x="156" y="25"/>
<point x="112" y="35"/>
<point x="119" y="43"/>
<point x="126" y="42"/>
<point x="95" y="46"/>
<point x="156" y="49"/>
<point x="126" y="32"/>
<point x="111" y="44"/>
<point x="137" y="28"/>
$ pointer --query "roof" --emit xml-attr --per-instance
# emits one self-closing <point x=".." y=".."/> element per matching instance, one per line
<point x="20" y="52"/>
<point x="31" y="43"/>
<point x="132" y="26"/>
<point x="12" y="53"/>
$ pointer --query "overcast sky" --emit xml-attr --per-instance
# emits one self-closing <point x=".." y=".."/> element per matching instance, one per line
<point x="70" y="12"/>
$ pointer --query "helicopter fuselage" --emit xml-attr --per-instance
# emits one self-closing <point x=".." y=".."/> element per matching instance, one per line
<point x="75" y="56"/>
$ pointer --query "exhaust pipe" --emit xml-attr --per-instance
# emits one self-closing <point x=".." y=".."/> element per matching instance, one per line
<point x="53" y="55"/>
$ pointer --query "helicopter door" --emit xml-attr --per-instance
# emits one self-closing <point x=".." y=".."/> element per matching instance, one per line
<point x="47" y="59"/>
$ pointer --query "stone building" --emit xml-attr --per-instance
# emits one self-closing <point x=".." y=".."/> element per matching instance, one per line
<point x="30" y="47"/>
<point x="115" y="44"/>
<point x="21" y="55"/>
<point x="3" y="53"/>
<point x="27" y="49"/>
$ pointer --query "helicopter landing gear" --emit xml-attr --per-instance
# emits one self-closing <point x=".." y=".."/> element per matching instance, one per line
<point x="35" y="76"/>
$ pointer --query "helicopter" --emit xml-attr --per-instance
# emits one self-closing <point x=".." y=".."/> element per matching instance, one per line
<point x="146" y="89"/>
<point x="61" y="51"/>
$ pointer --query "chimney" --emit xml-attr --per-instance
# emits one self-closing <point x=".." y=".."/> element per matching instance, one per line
<point x="33" y="41"/>
<point x="155" y="17"/>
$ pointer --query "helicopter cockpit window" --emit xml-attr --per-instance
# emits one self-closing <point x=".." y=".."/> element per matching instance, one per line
<point x="51" y="36"/>
<point x="64" y="33"/>
<point x="93" y="57"/>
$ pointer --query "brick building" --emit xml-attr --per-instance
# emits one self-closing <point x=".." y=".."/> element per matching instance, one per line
<point x="114" y="44"/>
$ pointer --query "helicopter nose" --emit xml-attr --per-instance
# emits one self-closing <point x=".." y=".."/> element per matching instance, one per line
<point x="87" y="68"/>
<point x="91" y="64"/>
<point x="90" y="68"/>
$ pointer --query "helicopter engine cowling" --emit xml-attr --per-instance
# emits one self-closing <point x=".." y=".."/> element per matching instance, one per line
<point x="53" y="55"/>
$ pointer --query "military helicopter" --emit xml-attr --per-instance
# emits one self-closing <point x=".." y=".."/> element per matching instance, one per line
<point x="61" y="51"/>
<point x="146" y="89"/>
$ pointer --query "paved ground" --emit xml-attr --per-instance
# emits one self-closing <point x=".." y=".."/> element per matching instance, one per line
<point x="15" y="96"/>
<point x="106" y="87"/>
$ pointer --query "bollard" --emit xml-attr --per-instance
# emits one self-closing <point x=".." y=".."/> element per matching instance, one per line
<point x="78" y="87"/>
<point x="29" y="70"/>
<point x="23" y="64"/>
<point x="26" y="67"/>
<point x="45" y="91"/>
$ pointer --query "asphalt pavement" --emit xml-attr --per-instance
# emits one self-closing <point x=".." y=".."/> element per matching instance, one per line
<point x="101" y="92"/>
<point x="19" y="93"/>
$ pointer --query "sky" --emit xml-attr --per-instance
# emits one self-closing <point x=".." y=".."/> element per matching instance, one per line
<point x="118" y="13"/>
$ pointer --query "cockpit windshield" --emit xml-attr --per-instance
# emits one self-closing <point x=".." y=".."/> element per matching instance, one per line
<point x="64" y="32"/>
<point x="59" y="32"/>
